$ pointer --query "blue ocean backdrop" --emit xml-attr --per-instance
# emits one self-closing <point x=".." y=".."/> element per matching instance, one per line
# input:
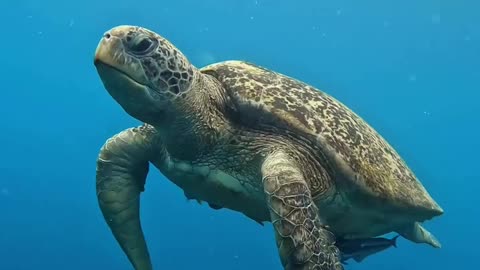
<point x="410" y="68"/>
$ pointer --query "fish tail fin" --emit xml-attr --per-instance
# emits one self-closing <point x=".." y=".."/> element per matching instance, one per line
<point x="394" y="241"/>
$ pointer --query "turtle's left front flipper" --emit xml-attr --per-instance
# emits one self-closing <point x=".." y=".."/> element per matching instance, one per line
<point x="122" y="168"/>
<point x="303" y="242"/>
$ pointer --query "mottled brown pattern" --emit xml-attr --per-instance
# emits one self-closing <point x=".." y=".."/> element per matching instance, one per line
<point x="241" y="137"/>
<point x="303" y="242"/>
<point x="363" y="155"/>
<point x="165" y="67"/>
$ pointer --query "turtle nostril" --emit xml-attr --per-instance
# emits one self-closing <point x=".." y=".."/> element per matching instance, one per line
<point x="107" y="35"/>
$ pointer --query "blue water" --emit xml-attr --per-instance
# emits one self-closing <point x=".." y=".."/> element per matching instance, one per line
<point x="410" y="68"/>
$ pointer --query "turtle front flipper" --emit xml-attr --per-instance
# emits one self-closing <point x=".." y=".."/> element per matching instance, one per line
<point x="122" y="168"/>
<point x="303" y="242"/>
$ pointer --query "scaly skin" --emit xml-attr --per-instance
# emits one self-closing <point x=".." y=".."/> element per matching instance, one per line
<point x="122" y="168"/>
<point x="227" y="131"/>
<point x="303" y="242"/>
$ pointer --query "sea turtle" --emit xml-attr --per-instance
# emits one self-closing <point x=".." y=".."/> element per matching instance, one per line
<point x="243" y="137"/>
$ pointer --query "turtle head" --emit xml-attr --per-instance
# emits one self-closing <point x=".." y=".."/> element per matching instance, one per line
<point x="143" y="71"/>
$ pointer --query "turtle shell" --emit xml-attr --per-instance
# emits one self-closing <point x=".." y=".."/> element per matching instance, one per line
<point x="360" y="158"/>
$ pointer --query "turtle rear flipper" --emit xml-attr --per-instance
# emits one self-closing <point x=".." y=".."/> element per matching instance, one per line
<point x="303" y="242"/>
<point x="418" y="234"/>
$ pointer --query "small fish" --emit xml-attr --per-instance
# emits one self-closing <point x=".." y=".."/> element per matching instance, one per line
<point x="359" y="249"/>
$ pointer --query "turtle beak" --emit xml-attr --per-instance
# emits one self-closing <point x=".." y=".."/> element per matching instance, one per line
<point x="107" y="45"/>
<point x="123" y="77"/>
<point x="112" y="52"/>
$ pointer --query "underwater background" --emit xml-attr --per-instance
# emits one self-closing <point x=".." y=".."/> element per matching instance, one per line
<point x="410" y="68"/>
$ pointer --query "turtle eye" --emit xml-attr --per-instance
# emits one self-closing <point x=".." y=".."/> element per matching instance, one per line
<point x="142" y="45"/>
